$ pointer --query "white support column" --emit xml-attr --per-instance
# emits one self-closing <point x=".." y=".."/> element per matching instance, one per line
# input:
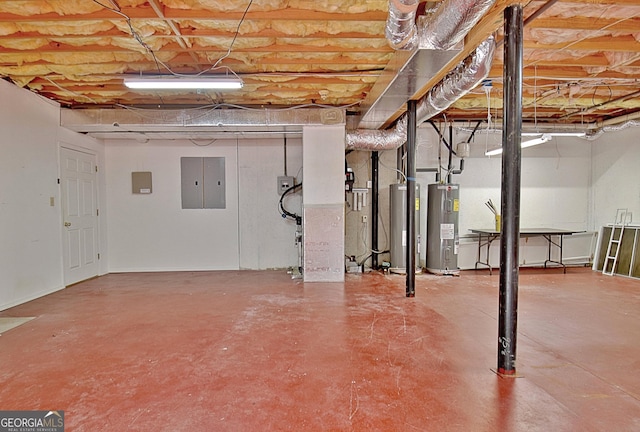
<point x="323" y="203"/>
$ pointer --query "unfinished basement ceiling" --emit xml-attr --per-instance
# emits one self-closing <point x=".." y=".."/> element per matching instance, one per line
<point x="581" y="58"/>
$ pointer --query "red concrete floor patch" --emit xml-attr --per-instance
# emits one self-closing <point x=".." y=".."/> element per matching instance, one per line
<point x="254" y="351"/>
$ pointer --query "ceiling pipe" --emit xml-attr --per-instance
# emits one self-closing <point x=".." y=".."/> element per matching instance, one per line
<point x="441" y="30"/>
<point x="400" y="30"/>
<point x="451" y="22"/>
<point x="378" y="140"/>
<point x="471" y="71"/>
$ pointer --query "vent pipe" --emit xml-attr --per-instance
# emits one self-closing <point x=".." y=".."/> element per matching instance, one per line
<point x="469" y="73"/>
<point x="400" y="30"/>
<point x="450" y="23"/>
<point x="441" y="30"/>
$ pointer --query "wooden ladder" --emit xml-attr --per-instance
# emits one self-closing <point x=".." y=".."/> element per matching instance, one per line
<point x="623" y="218"/>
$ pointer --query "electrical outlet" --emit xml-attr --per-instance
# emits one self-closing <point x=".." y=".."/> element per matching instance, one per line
<point x="284" y="183"/>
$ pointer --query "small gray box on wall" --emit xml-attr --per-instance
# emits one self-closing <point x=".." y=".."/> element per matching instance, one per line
<point x="203" y="182"/>
<point x="141" y="182"/>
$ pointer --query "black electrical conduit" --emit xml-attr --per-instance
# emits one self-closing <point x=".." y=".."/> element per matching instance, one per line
<point x="459" y="170"/>
<point x="450" y="162"/>
<point x="375" y="161"/>
<point x="285" y="213"/>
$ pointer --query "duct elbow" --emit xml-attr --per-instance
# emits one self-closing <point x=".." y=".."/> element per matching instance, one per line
<point x="378" y="140"/>
<point x="451" y="22"/>
<point x="401" y="30"/>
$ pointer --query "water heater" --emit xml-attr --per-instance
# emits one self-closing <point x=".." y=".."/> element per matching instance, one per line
<point x="398" y="223"/>
<point x="442" y="229"/>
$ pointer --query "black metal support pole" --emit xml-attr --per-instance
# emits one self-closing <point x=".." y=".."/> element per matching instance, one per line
<point x="411" y="198"/>
<point x="450" y="163"/>
<point x="510" y="204"/>
<point x="374" y="209"/>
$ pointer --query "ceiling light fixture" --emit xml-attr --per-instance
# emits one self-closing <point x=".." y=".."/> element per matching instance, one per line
<point x="184" y="83"/>
<point x="556" y="134"/>
<point x="543" y="139"/>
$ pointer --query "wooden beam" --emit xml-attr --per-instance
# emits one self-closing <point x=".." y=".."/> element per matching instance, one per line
<point x="586" y="23"/>
<point x="146" y="13"/>
<point x="607" y="43"/>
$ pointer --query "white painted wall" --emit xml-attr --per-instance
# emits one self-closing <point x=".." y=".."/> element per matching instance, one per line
<point x="30" y="233"/>
<point x="616" y="176"/>
<point x="153" y="233"/>
<point x="266" y="239"/>
<point x="568" y="183"/>
<point x="323" y="198"/>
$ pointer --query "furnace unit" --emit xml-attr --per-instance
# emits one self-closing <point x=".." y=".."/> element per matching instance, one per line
<point x="442" y="229"/>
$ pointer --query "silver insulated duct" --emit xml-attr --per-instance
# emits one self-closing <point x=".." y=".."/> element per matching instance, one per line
<point x="441" y="30"/>
<point x="400" y="30"/>
<point x="378" y="140"/>
<point x="450" y="23"/>
<point x="458" y="82"/>
<point x="468" y="74"/>
<point x="438" y="37"/>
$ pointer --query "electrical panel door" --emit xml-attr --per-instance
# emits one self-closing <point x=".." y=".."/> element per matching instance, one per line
<point x="203" y="182"/>
<point x="214" y="186"/>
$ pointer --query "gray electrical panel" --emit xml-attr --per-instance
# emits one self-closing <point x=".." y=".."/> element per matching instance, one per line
<point x="214" y="185"/>
<point x="442" y="228"/>
<point x="203" y="182"/>
<point x="398" y="223"/>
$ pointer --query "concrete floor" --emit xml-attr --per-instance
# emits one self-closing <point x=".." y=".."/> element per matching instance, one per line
<point x="257" y="351"/>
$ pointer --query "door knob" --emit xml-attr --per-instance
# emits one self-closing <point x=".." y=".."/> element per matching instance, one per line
<point x="67" y="224"/>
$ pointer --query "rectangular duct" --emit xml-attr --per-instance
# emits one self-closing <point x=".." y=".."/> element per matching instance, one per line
<point x="406" y="74"/>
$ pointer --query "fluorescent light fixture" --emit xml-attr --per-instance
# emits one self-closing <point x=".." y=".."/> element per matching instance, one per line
<point x="184" y="83"/>
<point x="493" y="152"/>
<point x="556" y="134"/>
<point x="543" y="139"/>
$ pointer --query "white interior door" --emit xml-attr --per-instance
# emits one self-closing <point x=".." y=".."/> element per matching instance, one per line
<point x="80" y="215"/>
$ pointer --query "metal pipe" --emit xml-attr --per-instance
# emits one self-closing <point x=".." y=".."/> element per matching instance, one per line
<point x="400" y="162"/>
<point x="447" y="145"/>
<point x="459" y="170"/>
<point x="533" y="16"/>
<point x="411" y="199"/>
<point x="510" y="195"/>
<point x="285" y="156"/>
<point x="450" y="162"/>
<point x="375" y="161"/>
